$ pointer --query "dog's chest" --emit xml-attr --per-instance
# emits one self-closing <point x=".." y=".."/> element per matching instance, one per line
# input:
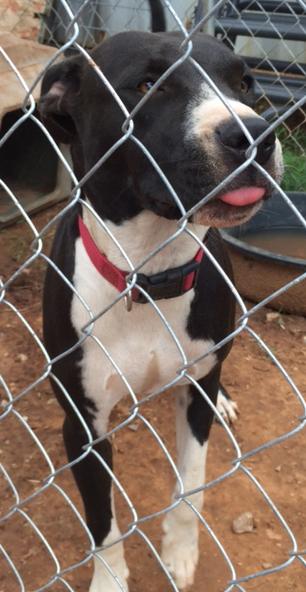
<point x="131" y="351"/>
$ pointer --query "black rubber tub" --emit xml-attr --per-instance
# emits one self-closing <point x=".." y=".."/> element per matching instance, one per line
<point x="269" y="251"/>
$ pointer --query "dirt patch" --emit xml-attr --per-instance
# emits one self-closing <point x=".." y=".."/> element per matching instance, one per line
<point x="268" y="409"/>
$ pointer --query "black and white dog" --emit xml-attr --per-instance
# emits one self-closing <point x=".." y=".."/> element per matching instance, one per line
<point x="197" y="143"/>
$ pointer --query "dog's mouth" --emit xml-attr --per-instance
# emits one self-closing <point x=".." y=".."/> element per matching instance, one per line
<point x="236" y="203"/>
<point x="232" y="207"/>
<point x="245" y="196"/>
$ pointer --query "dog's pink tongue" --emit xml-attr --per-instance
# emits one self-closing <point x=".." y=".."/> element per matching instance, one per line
<point x="244" y="196"/>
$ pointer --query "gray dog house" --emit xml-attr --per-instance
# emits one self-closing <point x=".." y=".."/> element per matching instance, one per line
<point x="29" y="166"/>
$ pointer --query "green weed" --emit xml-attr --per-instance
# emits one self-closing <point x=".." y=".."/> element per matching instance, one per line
<point x="294" y="153"/>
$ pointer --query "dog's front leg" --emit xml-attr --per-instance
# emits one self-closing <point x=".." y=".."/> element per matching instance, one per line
<point x="193" y="422"/>
<point x="94" y="483"/>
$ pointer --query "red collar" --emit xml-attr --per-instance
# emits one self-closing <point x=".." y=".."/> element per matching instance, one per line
<point x="166" y="284"/>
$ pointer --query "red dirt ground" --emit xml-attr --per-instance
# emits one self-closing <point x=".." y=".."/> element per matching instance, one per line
<point x="268" y="409"/>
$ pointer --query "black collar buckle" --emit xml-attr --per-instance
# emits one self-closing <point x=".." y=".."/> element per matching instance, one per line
<point x="166" y="284"/>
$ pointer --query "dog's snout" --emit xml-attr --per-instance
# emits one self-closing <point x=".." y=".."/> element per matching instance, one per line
<point x="232" y="137"/>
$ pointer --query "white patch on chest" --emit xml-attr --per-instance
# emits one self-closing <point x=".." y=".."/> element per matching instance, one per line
<point x="138" y="341"/>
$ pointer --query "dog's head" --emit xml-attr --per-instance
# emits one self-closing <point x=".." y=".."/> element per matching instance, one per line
<point x="184" y="125"/>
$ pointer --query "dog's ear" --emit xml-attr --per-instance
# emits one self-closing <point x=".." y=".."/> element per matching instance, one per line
<point x="60" y="87"/>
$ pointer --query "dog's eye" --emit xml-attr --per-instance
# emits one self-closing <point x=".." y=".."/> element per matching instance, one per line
<point x="246" y="84"/>
<point x="144" y="87"/>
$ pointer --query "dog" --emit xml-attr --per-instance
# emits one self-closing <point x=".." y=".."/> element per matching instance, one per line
<point x="197" y="143"/>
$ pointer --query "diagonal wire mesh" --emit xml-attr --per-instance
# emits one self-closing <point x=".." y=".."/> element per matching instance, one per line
<point x="35" y="474"/>
<point x="271" y="36"/>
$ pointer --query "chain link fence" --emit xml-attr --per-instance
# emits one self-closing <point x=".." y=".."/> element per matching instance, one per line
<point x="46" y="544"/>
<point x="99" y="19"/>
<point x="271" y="37"/>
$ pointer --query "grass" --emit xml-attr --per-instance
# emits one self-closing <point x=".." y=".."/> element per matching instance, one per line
<point x="294" y="153"/>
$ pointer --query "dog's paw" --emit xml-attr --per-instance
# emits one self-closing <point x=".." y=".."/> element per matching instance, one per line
<point x="106" y="583"/>
<point x="181" y="558"/>
<point x="227" y="408"/>
<point x="103" y="580"/>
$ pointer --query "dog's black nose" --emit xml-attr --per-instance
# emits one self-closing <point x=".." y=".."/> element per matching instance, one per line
<point x="233" y="138"/>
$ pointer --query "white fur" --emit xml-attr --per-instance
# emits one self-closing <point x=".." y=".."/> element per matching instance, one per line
<point x="180" y="550"/>
<point x="138" y="341"/>
<point x="140" y="344"/>
<point x="227" y="408"/>
<point x="140" y="236"/>
<point x="206" y="113"/>
<point x="109" y="563"/>
<point x="103" y="579"/>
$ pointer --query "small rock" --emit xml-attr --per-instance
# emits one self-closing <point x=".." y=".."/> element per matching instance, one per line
<point x="133" y="427"/>
<point x="272" y="316"/>
<point x="21" y="358"/>
<point x="273" y="536"/>
<point x="304" y="339"/>
<point x="266" y="565"/>
<point x="243" y="523"/>
<point x="278" y="469"/>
